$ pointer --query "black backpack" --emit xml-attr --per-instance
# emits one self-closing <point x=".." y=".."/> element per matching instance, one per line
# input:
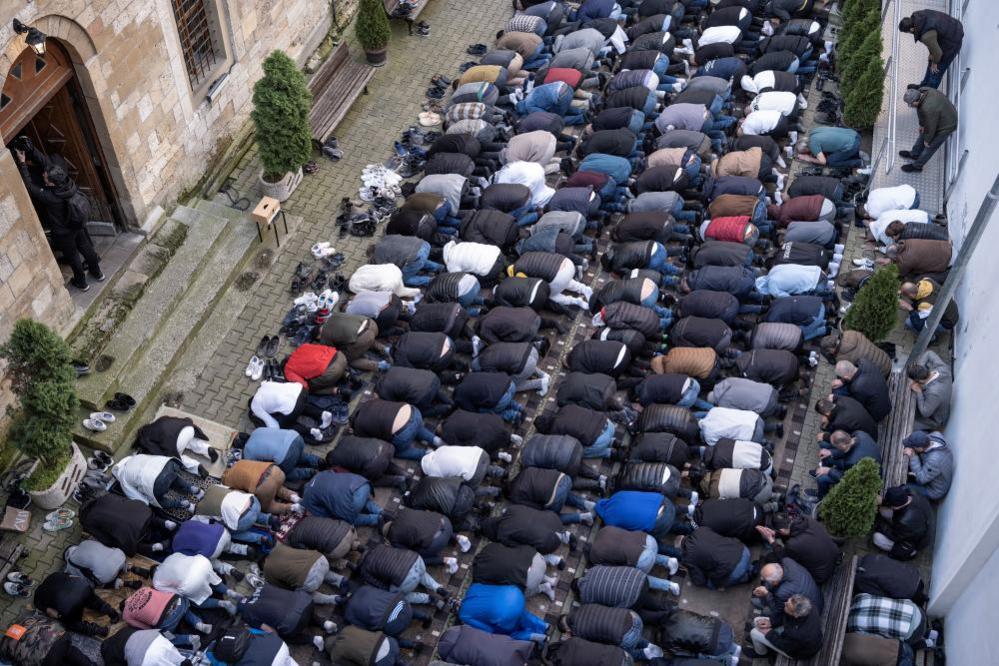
<point x="77" y="210"/>
<point x="232" y="645"/>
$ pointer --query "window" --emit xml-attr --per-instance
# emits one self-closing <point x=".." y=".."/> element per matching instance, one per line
<point x="199" y="41"/>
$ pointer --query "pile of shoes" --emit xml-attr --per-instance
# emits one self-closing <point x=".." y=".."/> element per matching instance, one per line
<point x="379" y="181"/>
<point x="423" y="29"/>
<point x="403" y="9"/>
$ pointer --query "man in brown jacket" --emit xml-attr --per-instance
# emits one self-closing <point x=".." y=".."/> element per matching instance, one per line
<point x="917" y="257"/>
<point x="853" y="346"/>
<point x="937" y="121"/>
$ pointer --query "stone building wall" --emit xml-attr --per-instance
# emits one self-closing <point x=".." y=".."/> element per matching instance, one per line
<point x="157" y="134"/>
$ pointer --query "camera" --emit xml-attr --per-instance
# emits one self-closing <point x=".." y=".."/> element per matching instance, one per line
<point x="24" y="143"/>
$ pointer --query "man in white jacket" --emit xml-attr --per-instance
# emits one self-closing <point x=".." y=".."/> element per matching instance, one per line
<point x="381" y="277"/>
<point x="478" y="259"/>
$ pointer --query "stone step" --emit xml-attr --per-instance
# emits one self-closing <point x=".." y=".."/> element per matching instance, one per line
<point x="156" y="302"/>
<point x="180" y="327"/>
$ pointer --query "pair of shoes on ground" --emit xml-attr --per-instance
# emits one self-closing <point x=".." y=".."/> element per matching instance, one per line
<point x="120" y="402"/>
<point x="909" y="168"/>
<point x="100" y="461"/>
<point x="98" y="421"/>
<point x="18" y="584"/>
<point x="83" y="285"/>
<point x="60" y="519"/>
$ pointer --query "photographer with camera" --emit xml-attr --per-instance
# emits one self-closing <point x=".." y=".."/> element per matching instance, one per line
<point x="63" y="210"/>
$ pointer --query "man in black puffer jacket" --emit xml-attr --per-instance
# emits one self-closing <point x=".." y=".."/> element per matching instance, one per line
<point x="804" y="540"/>
<point x="421" y="388"/>
<point x="865" y="383"/>
<point x="737" y="517"/>
<point x="714" y="561"/>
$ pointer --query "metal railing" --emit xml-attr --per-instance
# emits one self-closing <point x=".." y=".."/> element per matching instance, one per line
<point x="892" y="66"/>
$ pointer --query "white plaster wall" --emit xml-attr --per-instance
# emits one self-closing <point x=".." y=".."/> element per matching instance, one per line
<point x="965" y="578"/>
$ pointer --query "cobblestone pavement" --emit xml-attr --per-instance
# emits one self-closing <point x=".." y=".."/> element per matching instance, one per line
<point x="366" y="136"/>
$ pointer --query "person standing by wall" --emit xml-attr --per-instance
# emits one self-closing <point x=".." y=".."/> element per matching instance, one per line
<point x="937" y="121"/>
<point x="941" y="34"/>
<point x="58" y="205"/>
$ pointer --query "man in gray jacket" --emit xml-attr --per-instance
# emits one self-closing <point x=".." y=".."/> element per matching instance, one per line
<point x="932" y="382"/>
<point x="931" y="463"/>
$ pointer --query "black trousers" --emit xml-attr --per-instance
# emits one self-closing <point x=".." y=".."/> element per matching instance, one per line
<point x="72" y="245"/>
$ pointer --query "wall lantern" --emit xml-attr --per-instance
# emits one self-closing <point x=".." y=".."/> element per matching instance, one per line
<point x="34" y="37"/>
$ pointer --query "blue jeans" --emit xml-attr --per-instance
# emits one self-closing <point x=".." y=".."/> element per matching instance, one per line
<point x="297" y="464"/>
<point x="846" y="158"/>
<point x="601" y="447"/>
<point x="916" y="323"/>
<point x="931" y="80"/>
<point x="817" y="327"/>
<point x="525" y="215"/>
<point x="414" y="430"/>
<point x="182" y="612"/>
<point x="798" y="66"/>
<point x="471" y="300"/>
<point x="411" y="272"/>
<point x="666" y="523"/>
<point x="507" y="406"/>
<point x="718" y="124"/>
<point x="691" y="400"/>
<point x="693" y="170"/>
<point x="741" y="572"/>
<point x="658" y="262"/>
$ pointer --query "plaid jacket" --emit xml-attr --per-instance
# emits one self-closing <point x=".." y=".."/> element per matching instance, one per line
<point x="891" y="618"/>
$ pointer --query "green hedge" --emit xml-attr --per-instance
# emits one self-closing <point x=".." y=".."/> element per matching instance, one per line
<point x="875" y="309"/>
<point x="850" y="507"/>
<point x="859" y="63"/>
<point x="281" y="104"/>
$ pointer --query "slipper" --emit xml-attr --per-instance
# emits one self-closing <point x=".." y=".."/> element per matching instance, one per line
<point x="58" y="523"/>
<point x="429" y="119"/>
<point x="125" y="399"/>
<point x="477" y="49"/>
<point x="107" y="417"/>
<point x="61" y="512"/>
<point x="95" y="425"/>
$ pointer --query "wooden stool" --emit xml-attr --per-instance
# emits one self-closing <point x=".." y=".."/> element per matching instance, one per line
<point x="266" y="210"/>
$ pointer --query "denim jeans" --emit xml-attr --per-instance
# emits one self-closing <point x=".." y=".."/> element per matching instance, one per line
<point x="922" y="151"/>
<point x="931" y="80"/>
<point x="411" y="271"/>
<point x="182" y="612"/>
<point x="297" y="464"/>
<point x="413" y="431"/>
<point x="817" y="327"/>
<point x="658" y="262"/>
<point x="650" y="556"/>
<point x="718" y="124"/>
<point x="740" y="574"/>
<point x="507" y="406"/>
<point x="693" y="171"/>
<point x="691" y="400"/>
<point x="601" y="447"/>
<point x="846" y="158"/>
<point x="526" y="215"/>
<point x="471" y="300"/>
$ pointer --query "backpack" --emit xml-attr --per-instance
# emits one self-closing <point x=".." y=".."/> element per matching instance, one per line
<point x="232" y="645"/>
<point x="77" y="210"/>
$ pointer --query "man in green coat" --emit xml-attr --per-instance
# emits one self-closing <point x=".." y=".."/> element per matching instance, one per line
<point x="937" y="120"/>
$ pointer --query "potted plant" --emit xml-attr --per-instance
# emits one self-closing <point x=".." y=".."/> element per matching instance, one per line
<point x="850" y="507"/>
<point x="281" y="104"/>
<point x="41" y="375"/>
<point x="373" y="31"/>
<point x="875" y="308"/>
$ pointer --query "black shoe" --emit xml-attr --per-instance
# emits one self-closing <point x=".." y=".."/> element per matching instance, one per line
<point x="98" y="275"/>
<point x="906" y="154"/>
<point x="262" y="346"/>
<point x="82" y="286"/>
<point x="477" y="49"/>
<point x="273" y="344"/>
<point x="911" y="168"/>
<point x="435" y="93"/>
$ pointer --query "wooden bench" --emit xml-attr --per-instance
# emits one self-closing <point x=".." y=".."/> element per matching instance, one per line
<point x="418" y="5"/>
<point x="895" y="428"/>
<point x="837" y="594"/>
<point x="336" y="84"/>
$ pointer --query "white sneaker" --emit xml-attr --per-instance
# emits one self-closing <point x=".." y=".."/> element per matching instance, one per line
<point x="674" y="589"/>
<point x="863" y="171"/>
<point x="864" y="262"/>
<point x="781" y="163"/>
<point x="505" y="457"/>
<point x="688" y="44"/>
<point x="318" y="642"/>
<point x="327" y="421"/>
<point x="652" y="651"/>
<point x="838" y="248"/>
<point x="802" y="102"/>
<point x="476" y="345"/>
<point x="679" y="85"/>
<point x="694" y="497"/>
<point x="451" y="565"/>
<point x="516" y="440"/>
<point x="464" y="543"/>
<point x="330" y="627"/>
<point x="833" y="269"/>
<point x="792" y="137"/>
<point x="586" y="518"/>
<point x="672" y="565"/>
<point x="545" y="382"/>
<point x="316" y="433"/>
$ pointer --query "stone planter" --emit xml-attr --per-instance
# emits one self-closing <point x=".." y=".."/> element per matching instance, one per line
<point x="376" y="57"/>
<point x="282" y="189"/>
<point x="60" y="491"/>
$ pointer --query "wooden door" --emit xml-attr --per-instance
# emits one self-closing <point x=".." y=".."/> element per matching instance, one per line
<point x="56" y="130"/>
<point x="41" y="99"/>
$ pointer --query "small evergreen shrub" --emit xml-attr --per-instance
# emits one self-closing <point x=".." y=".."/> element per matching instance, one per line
<point x="875" y="308"/>
<point x="372" y="27"/>
<point x="865" y="92"/>
<point x="851" y="506"/>
<point x="281" y="104"/>
<point x="41" y="373"/>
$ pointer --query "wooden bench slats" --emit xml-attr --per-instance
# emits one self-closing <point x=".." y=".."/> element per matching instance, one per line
<point x="838" y="594"/>
<point x="895" y="428"/>
<point x="335" y="86"/>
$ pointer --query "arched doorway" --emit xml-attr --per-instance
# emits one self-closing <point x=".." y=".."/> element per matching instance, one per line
<point x="42" y="99"/>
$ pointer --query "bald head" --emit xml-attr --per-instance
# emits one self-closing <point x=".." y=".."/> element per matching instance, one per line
<point x="845" y="369"/>
<point x="772" y="573"/>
